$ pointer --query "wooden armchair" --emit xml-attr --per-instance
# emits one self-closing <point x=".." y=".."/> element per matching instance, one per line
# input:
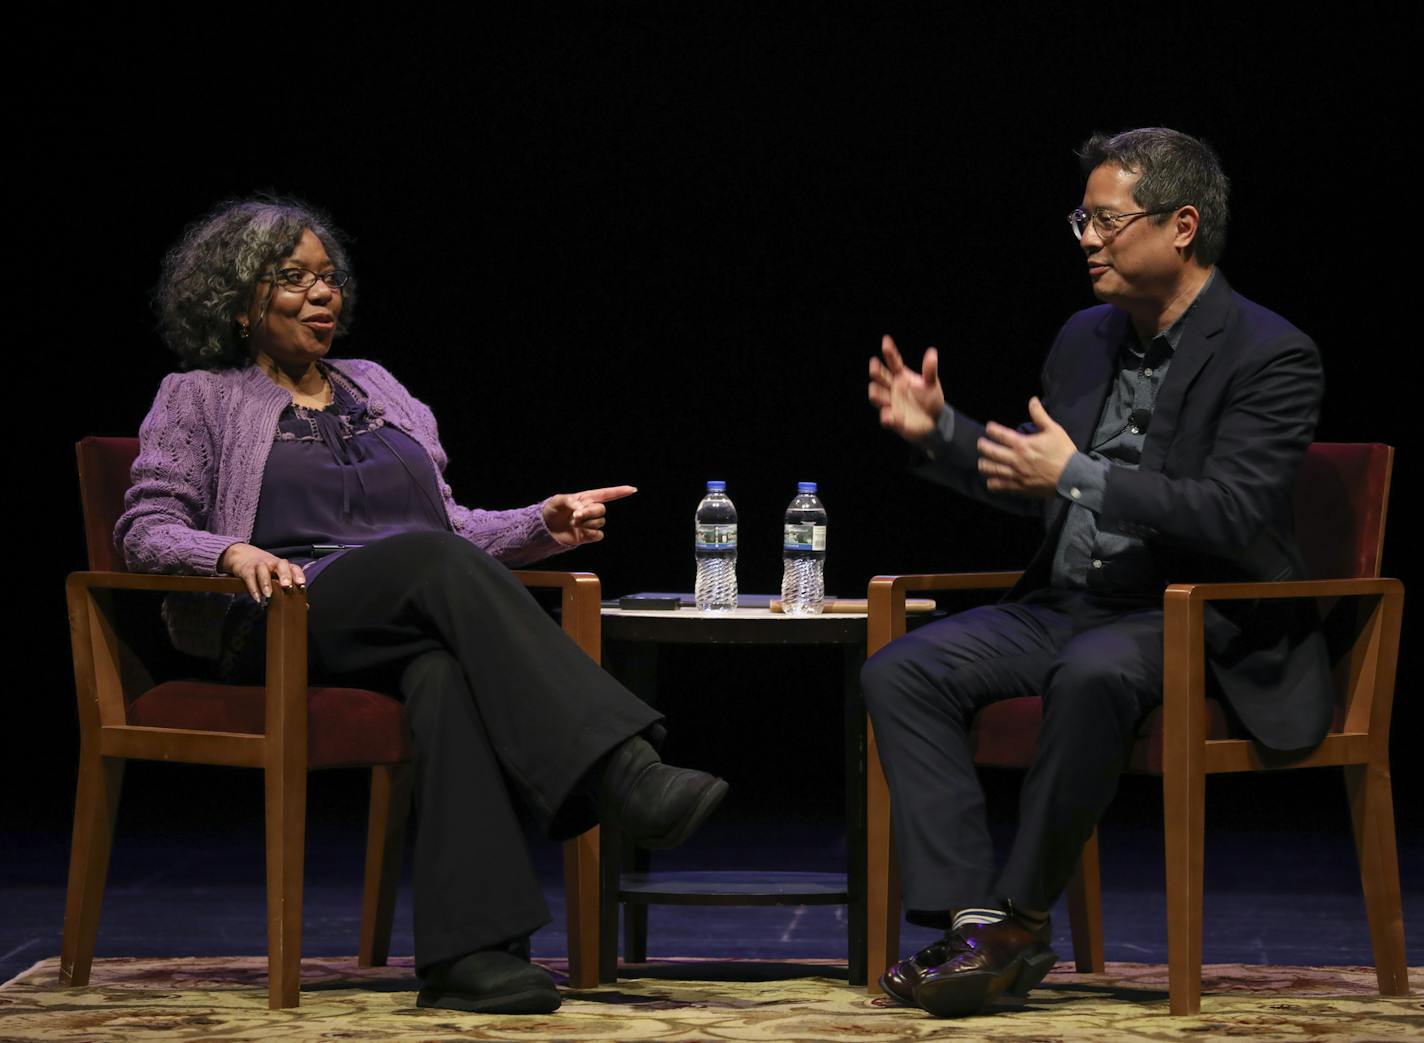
<point x="283" y="728"/>
<point x="1341" y="499"/>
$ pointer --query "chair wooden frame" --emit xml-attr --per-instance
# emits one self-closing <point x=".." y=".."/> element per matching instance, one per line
<point x="103" y="663"/>
<point x="1360" y="746"/>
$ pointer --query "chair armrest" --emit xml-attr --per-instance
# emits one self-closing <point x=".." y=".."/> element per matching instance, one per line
<point x="87" y="581"/>
<point x="885" y="597"/>
<point x="580" y="605"/>
<point x="99" y="651"/>
<point x="1196" y="593"/>
<point x="1369" y="668"/>
<point x="102" y="659"/>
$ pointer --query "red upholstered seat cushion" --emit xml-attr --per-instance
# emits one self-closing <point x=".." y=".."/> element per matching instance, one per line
<point x="1005" y="734"/>
<point x="345" y="726"/>
<point x="1147" y="750"/>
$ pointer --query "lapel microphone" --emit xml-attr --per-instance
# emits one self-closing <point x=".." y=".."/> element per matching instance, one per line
<point x="1138" y="422"/>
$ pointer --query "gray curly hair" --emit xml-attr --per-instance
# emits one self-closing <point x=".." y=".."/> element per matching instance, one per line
<point x="211" y="272"/>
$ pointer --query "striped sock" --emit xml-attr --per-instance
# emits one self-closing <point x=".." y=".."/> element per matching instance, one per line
<point x="965" y="917"/>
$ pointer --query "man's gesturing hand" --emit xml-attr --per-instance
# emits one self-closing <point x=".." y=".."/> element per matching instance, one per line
<point x="910" y="403"/>
<point x="575" y="518"/>
<point x="1029" y="465"/>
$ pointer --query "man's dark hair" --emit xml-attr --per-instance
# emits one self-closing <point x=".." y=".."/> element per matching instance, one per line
<point x="1174" y="170"/>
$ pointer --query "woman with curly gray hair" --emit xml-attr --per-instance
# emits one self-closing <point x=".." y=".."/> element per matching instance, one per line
<point x="214" y="268"/>
<point x="264" y="460"/>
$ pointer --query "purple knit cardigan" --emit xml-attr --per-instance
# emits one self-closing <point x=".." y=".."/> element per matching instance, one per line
<point x="198" y="476"/>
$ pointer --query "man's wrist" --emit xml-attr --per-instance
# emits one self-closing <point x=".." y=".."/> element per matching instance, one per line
<point x="1084" y="481"/>
<point x="939" y="436"/>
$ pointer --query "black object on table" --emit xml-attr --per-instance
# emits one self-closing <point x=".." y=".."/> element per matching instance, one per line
<point x="634" y="640"/>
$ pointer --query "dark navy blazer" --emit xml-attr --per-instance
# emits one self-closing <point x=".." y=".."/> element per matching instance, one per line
<point x="1212" y="494"/>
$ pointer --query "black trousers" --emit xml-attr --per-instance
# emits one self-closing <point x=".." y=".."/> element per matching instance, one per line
<point x="1097" y="663"/>
<point x="503" y="709"/>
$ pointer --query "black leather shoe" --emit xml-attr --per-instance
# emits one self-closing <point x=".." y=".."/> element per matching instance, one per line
<point x="655" y="804"/>
<point x="984" y="961"/>
<point x="491" y="981"/>
<point x="900" y="980"/>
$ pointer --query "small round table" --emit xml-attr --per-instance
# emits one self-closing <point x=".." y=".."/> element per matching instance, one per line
<point x="632" y="640"/>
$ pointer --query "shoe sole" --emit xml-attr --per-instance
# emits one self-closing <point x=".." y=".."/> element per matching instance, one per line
<point x="888" y="986"/>
<point x="706" y="804"/>
<point x="959" y="995"/>
<point x="530" y="1001"/>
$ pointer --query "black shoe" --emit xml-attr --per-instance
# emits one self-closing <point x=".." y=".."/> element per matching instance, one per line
<point x="984" y="961"/>
<point x="491" y="981"/>
<point x="900" y="981"/>
<point x="655" y="804"/>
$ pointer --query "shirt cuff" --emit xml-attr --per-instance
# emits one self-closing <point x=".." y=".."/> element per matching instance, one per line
<point x="1084" y="481"/>
<point x="941" y="437"/>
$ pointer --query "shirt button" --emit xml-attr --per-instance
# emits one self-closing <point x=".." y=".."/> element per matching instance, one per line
<point x="1076" y="493"/>
<point x="1147" y="372"/>
<point x="1097" y="563"/>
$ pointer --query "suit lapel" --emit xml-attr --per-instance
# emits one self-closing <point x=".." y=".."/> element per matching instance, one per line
<point x="1077" y="400"/>
<point x="1198" y="344"/>
<point x="1079" y="405"/>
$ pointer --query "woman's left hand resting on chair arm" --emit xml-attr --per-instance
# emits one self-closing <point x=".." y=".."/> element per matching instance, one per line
<point x="257" y="569"/>
<point x="577" y="518"/>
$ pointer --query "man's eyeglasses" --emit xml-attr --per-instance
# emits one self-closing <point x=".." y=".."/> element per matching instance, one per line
<point x="305" y="278"/>
<point x="1106" y="223"/>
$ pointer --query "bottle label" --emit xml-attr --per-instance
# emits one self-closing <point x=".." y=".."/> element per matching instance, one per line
<point x="804" y="537"/>
<point x="716" y="537"/>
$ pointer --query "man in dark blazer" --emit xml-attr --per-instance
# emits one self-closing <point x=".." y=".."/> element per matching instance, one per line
<point x="1172" y="422"/>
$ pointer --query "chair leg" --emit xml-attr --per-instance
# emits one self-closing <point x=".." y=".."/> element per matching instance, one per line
<point x="385" y="849"/>
<point x="286" y="850"/>
<point x="882" y="875"/>
<point x="1184" y="800"/>
<point x="635" y="932"/>
<point x="96" y="806"/>
<point x="1085" y="910"/>
<point x="1372" y="813"/>
<point x="610" y="877"/>
<point x="635" y="914"/>
<point x="581" y="894"/>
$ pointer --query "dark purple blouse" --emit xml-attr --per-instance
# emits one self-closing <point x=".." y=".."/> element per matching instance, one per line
<point x="340" y="477"/>
<point x="337" y="477"/>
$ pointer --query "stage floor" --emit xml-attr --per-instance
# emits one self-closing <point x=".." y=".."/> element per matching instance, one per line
<point x="1271" y="898"/>
<point x="205" y="998"/>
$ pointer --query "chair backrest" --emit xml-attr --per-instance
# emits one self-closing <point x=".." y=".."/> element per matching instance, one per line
<point x="1341" y="498"/>
<point x="104" y="476"/>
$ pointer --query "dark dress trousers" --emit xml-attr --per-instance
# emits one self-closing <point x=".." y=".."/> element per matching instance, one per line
<point x="1211" y="499"/>
<point x="504" y="712"/>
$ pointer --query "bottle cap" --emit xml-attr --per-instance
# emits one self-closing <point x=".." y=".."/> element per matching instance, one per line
<point x="805" y="487"/>
<point x="716" y="487"/>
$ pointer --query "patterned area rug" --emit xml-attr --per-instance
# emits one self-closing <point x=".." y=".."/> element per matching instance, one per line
<point x="226" y="999"/>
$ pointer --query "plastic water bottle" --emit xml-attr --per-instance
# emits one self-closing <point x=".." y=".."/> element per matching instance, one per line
<point x="803" y="554"/>
<point x="715" y="545"/>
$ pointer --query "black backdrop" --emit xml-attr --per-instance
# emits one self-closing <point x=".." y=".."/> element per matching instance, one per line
<point x="657" y="243"/>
